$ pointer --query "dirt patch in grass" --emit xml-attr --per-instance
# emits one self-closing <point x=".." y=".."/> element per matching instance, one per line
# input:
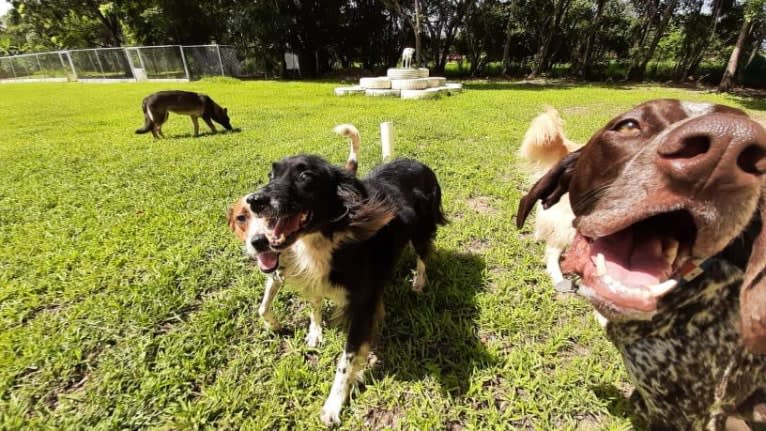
<point x="588" y="422"/>
<point x="378" y="419"/>
<point x="482" y="205"/>
<point x="477" y="245"/>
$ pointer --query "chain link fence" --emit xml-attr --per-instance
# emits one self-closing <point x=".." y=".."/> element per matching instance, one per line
<point x="167" y="62"/>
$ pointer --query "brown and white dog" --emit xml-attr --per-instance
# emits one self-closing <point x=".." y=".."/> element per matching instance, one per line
<point x="669" y="201"/>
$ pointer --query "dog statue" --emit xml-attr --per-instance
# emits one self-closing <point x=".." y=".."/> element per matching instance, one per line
<point x="407" y="57"/>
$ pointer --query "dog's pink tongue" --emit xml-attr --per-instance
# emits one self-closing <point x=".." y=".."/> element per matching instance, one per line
<point x="268" y="260"/>
<point x="287" y="225"/>
<point x="633" y="258"/>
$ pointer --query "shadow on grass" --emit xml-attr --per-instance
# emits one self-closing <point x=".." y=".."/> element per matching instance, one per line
<point x="540" y="85"/>
<point x="434" y="333"/>
<point x="203" y="134"/>
<point x="620" y="406"/>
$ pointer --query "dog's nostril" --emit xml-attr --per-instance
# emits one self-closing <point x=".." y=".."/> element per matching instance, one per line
<point x="687" y="147"/>
<point x="752" y="160"/>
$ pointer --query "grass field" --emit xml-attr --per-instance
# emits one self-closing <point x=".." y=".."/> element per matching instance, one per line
<point x="125" y="303"/>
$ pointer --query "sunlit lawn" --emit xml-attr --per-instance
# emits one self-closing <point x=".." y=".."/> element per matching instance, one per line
<point x="125" y="303"/>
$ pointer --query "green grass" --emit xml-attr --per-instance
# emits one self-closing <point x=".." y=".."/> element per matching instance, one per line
<point x="125" y="303"/>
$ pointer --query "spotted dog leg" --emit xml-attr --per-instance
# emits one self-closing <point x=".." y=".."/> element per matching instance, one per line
<point x="419" y="278"/>
<point x="352" y="361"/>
<point x="314" y="337"/>
<point x="273" y="283"/>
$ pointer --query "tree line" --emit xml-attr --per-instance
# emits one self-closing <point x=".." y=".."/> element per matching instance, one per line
<point x="679" y="40"/>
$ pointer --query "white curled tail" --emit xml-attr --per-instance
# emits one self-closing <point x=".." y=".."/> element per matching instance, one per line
<point x="349" y="131"/>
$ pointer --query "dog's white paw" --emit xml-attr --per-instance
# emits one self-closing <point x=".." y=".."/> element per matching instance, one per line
<point x="419" y="280"/>
<point x="314" y="337"/>
<point x="270" y="323"/>
<point x="330" y="414"/>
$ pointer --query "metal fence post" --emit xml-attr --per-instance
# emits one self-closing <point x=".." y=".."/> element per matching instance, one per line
<point x="183" y="59"/>
<point x="130" y="63"/>
<point x="39" y="66"/>
<point x="71" y="65"/>
<point x="220" y="62"/>
<point x="100" y="67"/>
<point x="141" y="59"/>
<point x="13" y="69"/>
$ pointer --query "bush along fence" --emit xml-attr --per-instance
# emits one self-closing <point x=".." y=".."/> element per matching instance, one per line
<point x="167" y="62"/>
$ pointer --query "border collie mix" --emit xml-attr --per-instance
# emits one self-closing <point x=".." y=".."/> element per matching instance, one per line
<point x="338" y="237"/>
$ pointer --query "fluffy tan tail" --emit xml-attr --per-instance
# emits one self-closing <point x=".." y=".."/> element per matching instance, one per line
<point x="544" y="142"/>
<point x="349" y="131"/>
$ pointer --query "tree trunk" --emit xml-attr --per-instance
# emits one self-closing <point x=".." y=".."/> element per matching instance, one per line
<point x="727" y="81"/>
<point x="697" y="59"/>
<point x="584" y="69"/>
<point x="507" y="44"/>
<point x="559" y="10"/>
<point x="638" y="68"/>
<point x="543" y="53"/>
<point x="418" y="43"/>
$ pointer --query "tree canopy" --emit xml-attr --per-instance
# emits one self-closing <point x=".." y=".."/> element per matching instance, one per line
<point x="592" y="39"/>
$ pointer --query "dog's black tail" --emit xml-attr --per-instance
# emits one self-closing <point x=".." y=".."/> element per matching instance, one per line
<point x="436" y="211"/>
<point x="147" y="121"/>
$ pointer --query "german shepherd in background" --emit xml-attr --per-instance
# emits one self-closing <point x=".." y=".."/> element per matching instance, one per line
<point x="157" y="107"/>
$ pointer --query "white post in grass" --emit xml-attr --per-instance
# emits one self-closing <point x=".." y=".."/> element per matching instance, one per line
<point x="387" y="140"/>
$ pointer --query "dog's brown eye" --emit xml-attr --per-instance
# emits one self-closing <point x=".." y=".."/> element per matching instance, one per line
<point x="305" y="176"/>
<point x="241" y="218"/>
<point x="628" y="128"/>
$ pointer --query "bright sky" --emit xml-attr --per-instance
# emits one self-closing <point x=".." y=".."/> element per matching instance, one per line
<point x="4" y="6"/>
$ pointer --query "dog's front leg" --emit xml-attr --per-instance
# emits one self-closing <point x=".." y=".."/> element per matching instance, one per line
<point x="352" y="361"/>
<point x="419" y="277"/>
<point x="314" y="337"/>
<point x="195" y="120"/>
<point x="273" y="283"/>
<point x="210" y="124"/>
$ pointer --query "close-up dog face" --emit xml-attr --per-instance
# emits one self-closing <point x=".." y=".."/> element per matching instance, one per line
<point x="251" y="230"/>
<point x="300" y="197"/>
<point x="660" y="187"/>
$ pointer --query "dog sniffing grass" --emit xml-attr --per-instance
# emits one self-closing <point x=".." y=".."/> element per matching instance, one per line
<point x="126" y="303"/>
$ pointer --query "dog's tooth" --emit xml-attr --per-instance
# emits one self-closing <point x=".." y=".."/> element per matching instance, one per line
<point x="670" y="250"/>
<point x="600" y="262"/>
<point x="662" y="288"/>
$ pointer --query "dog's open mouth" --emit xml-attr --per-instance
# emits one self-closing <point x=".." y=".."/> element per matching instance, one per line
<point x="283" y="231"/>
<point x="268" y="261"/>
<point x="631" y="269"/>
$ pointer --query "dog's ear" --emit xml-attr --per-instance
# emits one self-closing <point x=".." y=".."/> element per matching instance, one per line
<point x="366" y="216"/>
<point x="549" y="188"/>
<point x="232" y="222"/>
<point x="753" y="294"/>
<point x="225" y="110"/>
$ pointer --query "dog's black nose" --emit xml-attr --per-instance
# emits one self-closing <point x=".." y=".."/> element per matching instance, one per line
<point x="258" y="202"/>
<point x="260" y="242"/>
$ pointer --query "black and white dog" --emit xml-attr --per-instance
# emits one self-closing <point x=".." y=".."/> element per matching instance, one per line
<point x="335" y="236"/>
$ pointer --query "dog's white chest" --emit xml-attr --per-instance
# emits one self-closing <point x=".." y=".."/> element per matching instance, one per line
<point x="307" y="267"/>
